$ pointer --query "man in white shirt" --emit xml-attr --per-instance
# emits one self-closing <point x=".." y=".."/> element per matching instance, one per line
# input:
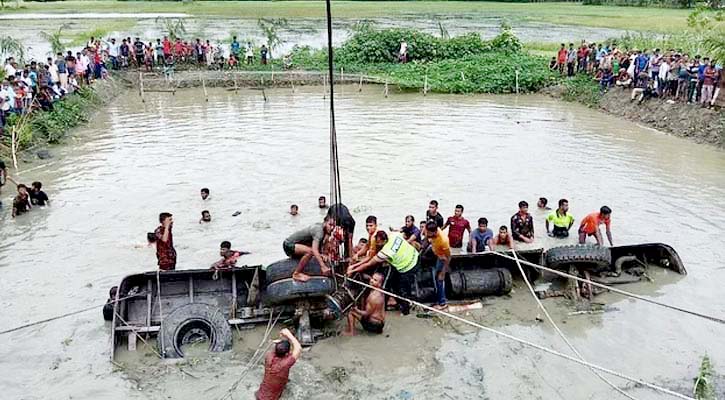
<point x="53" y="70"/>
<point x="113" y="52"/>
<point x="8" y="95"/>
<point x="9" y="67"/>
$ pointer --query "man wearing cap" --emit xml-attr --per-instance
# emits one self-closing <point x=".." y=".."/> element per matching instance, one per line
<point x="402" y="256"/>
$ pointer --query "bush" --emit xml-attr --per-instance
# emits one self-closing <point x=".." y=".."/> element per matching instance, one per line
<point x="368" y="46"/>
<point x="466" y="45"/>
<point x="582" y="88"/>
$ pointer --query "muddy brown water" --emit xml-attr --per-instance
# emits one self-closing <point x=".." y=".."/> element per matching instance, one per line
<point x="134" y="160"/>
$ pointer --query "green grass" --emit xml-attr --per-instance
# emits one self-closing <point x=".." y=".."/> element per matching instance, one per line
<point x="626" y="18"/>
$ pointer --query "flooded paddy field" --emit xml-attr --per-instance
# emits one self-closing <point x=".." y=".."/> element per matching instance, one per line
<point x="111" y="179"/>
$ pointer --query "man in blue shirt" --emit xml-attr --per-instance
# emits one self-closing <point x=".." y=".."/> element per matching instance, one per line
<point x="235" y="48"/>
<point x="701" y="77"/>
<point x="481" y="237"/>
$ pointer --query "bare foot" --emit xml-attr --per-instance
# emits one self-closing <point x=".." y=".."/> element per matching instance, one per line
<point x="348" y="333"/>
<point x="326" y="271"/>
<point x="300" y="277"/>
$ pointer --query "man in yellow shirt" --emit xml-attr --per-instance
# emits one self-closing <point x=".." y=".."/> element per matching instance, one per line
<point x="442" y="250"/>
<point x="561" y="219"/>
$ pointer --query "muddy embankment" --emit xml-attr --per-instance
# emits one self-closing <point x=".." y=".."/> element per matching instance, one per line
<point x="690" y="121"/>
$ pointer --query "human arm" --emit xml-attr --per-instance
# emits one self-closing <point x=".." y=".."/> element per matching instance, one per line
<point x="365" y="265"/>
<point x="296" y="347"/>
<point x="474" y="244"/>
<point x="609" y="235"/>
<point x="448" y="223"/>
<point x="316" y="253"/>
<point x="548" y="232"/>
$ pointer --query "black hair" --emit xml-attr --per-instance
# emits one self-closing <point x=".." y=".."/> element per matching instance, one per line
<point x="381" y="237"/>
<point x="205" y="190"/>
<point x="412" y="218"/>
<point x="20" y="186"/>
<point x="282" y="348"/>
<point x="225" y="245"/>
<point x="503" y="228"/>
<point x="459" y="206"/>
<point x="151" y="237"/>
<point x="482" y="221"/>
<point x="37" y="185"/>
<point x="434" y="202"/>
<point x="163" y="216"/>
<point x="322" y="198"/>
<point x="431" y="226"/>
<point x="562" y="201"/>
<point x="363" y="240"/>
<point x="205" y="212"/>
<point x="605" y="210"/>
<point x="523" y="204"/>
<point x="544" y="200"/>
<point x="294" y="206"/>
<point x="371" y="219"/>
<point x="112" y="292"/>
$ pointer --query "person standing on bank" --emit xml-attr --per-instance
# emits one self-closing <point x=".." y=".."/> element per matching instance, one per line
<point x="561" y="219"/>
<point x="277" y="364"/>
<point x="165" y="251"/>
<point x="442" y="250"/>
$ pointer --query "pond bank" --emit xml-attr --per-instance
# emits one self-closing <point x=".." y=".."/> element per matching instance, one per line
<point x="690" y="121"/>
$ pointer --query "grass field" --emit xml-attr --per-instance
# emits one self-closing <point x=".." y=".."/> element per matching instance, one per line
<point x="626" y="18"/>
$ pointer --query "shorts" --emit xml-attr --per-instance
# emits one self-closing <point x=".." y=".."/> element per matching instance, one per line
<point x="372" y="326"/>
<point x="560" y="231"/>
<point x="289" y="248"/>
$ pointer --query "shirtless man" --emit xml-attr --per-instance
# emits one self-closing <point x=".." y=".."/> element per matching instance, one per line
<point x="205" y="216"/>
<point x="503" y="238"/>
<point x="372" y="315"/>
<point x="21" y="203"/>
<point x="306" y="244"/>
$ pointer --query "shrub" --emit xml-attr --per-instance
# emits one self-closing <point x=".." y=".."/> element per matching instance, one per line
<point x="368" y="46"/>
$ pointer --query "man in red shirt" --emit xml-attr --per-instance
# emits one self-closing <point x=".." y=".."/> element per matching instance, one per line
<point x="167" y="47"/>
<point x="277" y="364"/>
<point x="561" y="58"/>
<point x="229" y="256"/>
<point x="165" y="251"/>
<point x="457" y="225"/>
<point x="590" y="226"/>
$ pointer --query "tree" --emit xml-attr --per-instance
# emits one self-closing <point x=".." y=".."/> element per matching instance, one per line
<point x="271" y="28"/>
<point x="711" y="25"/>
<point x="174" y="27"/>
<point x="54" y="38"/>
<point x="10" y="47"/>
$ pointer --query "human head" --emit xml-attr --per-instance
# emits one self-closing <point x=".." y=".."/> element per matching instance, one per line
<point x="605" y="212"/>
<point x="224" y="247"/>
<point x="371" y="224"/>
<point x="458" y="211"/>
<point x="482" y="224"/>
<point x="564" y="205"/>
<point x="362" y="242"/>
<point x="433" y="207"/>
<point x="431" y="229"/>
<point x="409" y="221"/>
<point x="377" y="279"/>
<point x="204" y="193"/>
<point x="293" y="209"/>
<point x="22" y="189"/>
<point x="234" y="38"/>
<point x="523" y="206"/>
<point x="282" y="347"/>
<point x="163" y="216"/>
<point x="328" y="224"/>
<point x="322" y="202"/>
<point x="37" y="186"/>
<point x="571" y="45"/>
<point x="503" y="230"/>
<point x="112" y="292"/>
<point x="381" y="237"/>
<point x="206" y="216"/>
<point x="543" y="201"/>
<point x="563" y="45"/>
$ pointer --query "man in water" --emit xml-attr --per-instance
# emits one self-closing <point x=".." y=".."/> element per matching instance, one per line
<point x="342" y="217"/>
<point x="410" y="232"/>
<point x="37" y="195"/>
<point x="561" y="219"/>
<point x="205" y="194"/>
<point x="360" y="245"/>
<point x="402" y="256"/>
<point x="277" y="364"/>
<point x="590" y="226"/>
<point x="21" y="203"/>
<point x="322" y="202"/>
<point x="542" y="203"/>
<point x="433" y="215"/>
<point x="442" y="251"/>
<point x="229" y="256"/>
<point x="306" y="244"/>
<point x="456" y="225"/>
<point x="503" y="238"/>
<point x="522" y="224"/>
<point x="205" y="216"/>
<point x="367" y="252"/>
<point x="165" y="251"/>
<point x="481" y="238"/>
<point x="372" y="315"/>
<point x="294" y="210"/>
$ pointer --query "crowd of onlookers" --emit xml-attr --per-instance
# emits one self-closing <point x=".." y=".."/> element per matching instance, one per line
<point x="670" y="74"/>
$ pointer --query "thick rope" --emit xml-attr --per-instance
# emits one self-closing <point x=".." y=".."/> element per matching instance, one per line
<point x="561" y="334"/>
<point x="528" y="343"/>
<point x="70" y="314"/>
<point x="610" y="288"/>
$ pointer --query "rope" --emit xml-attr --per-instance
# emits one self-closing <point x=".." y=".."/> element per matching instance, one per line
<point x="610" y="288"/>
<point x="561" y="334"/>
<point x="335" y="189"/>
<point x="528" y="343"/>
<point x="70" y="314"/>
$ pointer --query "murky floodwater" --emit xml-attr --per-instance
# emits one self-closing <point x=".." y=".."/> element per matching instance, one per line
<point x="137" y="159"/>
<point x="302" y="31"/>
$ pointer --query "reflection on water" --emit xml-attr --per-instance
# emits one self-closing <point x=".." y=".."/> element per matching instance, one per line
<point x="137" y="159"/>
